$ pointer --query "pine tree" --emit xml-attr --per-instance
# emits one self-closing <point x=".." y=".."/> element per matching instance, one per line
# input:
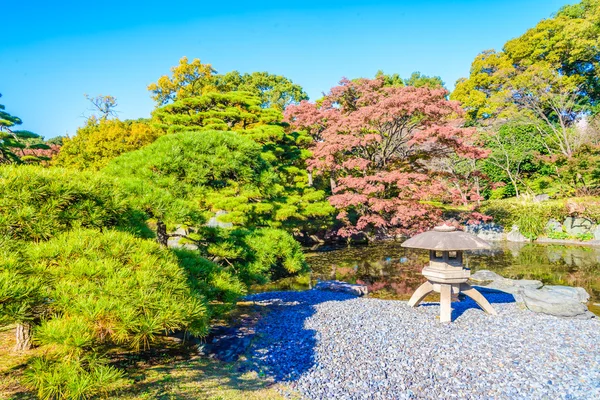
<point x="13" y="141"/>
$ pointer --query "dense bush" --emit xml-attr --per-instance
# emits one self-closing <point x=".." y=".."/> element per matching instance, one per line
<point x="256" y="256"/>
<point x="37" y="203"/>
<point x="101" y="140"/>
<point x="214" y="170"/>
<point x="97" y="291"/>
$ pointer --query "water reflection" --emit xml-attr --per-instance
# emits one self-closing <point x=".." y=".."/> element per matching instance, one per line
<point x="392" y="271"/>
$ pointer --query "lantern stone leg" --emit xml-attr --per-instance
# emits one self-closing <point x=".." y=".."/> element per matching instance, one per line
<point x="474" y="294"/>
<point x="420" y="294"/>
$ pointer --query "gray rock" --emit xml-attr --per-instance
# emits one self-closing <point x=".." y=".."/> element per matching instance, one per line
<point x="554" y="303"/>
<point x="541" y="197"/>
<point x="181" y="231"/>
<point x="491" y="236"/>
<point x="499" y="283"/>
<point x="515" y="236"/>
<point x="553" y="226"/>
<point x="576" y="226"/>
<point x="174" y="241"/>
<point x="576" y="293"/>
<point x="338" y="286"/>
<point x="485" y="275"/>
<point x="597" y="233"/>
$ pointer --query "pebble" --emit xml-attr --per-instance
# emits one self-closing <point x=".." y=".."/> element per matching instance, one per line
<point x="327" y="345"/>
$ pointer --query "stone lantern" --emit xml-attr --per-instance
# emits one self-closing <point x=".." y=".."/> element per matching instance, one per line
<point x="445" y="273"/>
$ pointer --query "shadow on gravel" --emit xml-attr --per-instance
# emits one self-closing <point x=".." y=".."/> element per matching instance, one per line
<point x="466" y="303"/>
<point x="283" y="348"/>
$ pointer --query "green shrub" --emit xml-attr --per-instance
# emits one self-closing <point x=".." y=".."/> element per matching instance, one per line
<point x="557" y="235"/>
<point x="99" y="291"/>
<point x="256" y="256"/>
<point x="531" y="218"/>
<point x="38" y="203"/>
<point x="72" y="378"/>
<point x="532" y="222"/>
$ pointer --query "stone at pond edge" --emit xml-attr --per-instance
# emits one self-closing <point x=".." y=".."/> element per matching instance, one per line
<point x="513" y="286"/>
<point x="338" y="286"/>
<point x="597" y="233"/>
<point x="560" y="301"/>
<point x="553" y="226"/>
<point x="577" y="226"/>
<point x="578" y="294"/>
<point x="553" y="303"/>
<point x="485" y="275"/>
<point x="515" y="236"/>
<point x="486" y="230"/>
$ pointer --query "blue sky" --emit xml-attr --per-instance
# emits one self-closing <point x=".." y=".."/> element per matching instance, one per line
<point x="54" y="52"/>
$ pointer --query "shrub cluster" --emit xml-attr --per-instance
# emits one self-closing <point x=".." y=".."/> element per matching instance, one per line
<point x="81" y="276"/>
<point x="532" y="218"/>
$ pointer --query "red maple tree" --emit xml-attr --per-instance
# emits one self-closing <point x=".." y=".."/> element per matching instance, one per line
<point x="378" y="145"/>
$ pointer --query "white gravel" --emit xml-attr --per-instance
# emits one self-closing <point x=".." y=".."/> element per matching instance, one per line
<point x="335" y="346"/>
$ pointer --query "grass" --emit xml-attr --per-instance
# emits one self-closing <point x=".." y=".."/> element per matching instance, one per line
<point x="171" y="372"/>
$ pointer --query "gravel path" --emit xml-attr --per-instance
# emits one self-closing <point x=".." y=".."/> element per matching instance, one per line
<point x="333" y="346"/>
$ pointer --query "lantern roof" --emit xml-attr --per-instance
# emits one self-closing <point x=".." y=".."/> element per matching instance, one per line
<point x="446" y="238"/>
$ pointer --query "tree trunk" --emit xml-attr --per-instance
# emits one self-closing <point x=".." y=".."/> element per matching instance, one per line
<point x="478" y="190"/>
<point x="162" y="237"/>
<point x="310" y="178"/>
<point x="514" y="183"/>
<point x="23" y="336"/>
<point x="332" y="181"/>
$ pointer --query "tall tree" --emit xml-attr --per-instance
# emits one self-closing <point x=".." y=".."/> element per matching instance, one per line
<point x="548" y="77"/>
<point x="416" y="79"/>
<point x="101" y="140"/>
<point x="214" y="111"/>
<point x="105" y="105"/>
<point x="197" y="79"/>
<point x="373" y="141"/>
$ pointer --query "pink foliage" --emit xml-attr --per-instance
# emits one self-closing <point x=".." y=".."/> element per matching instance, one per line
<point x="375" y="142"/>
<point x="44" y="154"/>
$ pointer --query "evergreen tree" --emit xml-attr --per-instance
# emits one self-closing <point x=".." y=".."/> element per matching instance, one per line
<point x="13" y="141"/>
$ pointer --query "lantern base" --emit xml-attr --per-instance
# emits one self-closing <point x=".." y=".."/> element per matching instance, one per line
<point x="445" y="290"/>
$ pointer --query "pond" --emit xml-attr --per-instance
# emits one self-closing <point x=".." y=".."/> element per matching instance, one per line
<point x="393" y="272"/>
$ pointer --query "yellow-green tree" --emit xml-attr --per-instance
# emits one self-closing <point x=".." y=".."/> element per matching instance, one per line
<point x="549" y="77"/>
<point x="193" y="79"/>
<point x="101" y="140"/>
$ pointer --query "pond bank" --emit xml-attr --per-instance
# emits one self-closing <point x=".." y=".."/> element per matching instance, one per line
<point x="331" y="345"/>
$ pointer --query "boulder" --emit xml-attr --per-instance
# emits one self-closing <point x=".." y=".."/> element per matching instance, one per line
<point x="553" y="226"/>
<point x="541" y="197"/>
<point x="485" y="276"/>
<point x="338" y="286"/>
<point x="597" y="233"/>
<point x="486" y="231"/>
<point x="497" y="282"/>
<point x="577" y="226"/>
<point x="554" y="303"/>
<point x="515" y="236"/>
<point x="560" y="301"/>
<point x="576" y="293"/>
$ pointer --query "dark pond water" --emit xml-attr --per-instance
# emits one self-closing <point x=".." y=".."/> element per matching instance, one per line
<point x="391" y="271"/>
